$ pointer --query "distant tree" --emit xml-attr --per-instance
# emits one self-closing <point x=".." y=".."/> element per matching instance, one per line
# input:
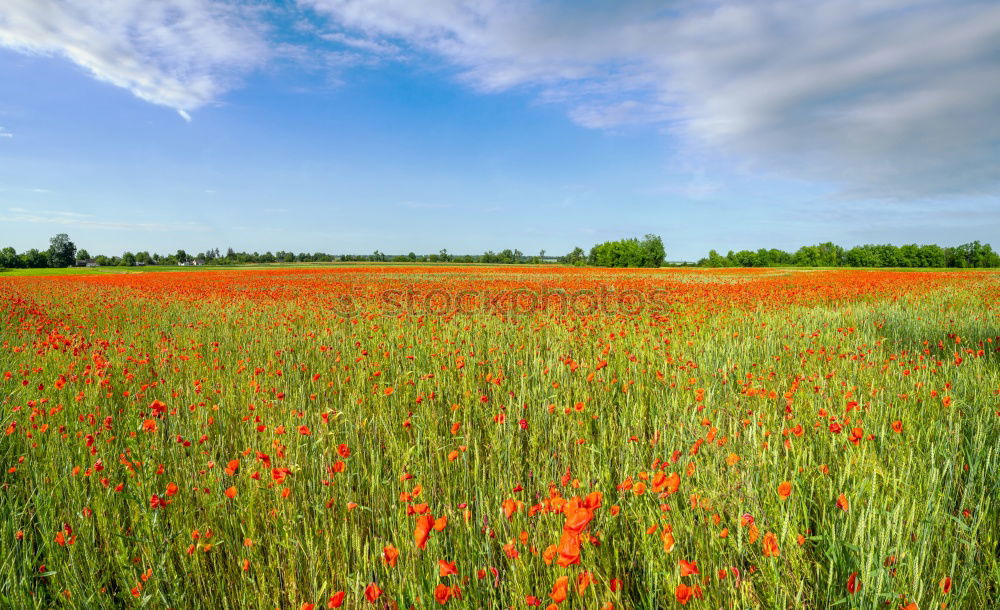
<point x="932" y="256"/>
<point x="806" y="256"/>
<point x="628" y="253"/>
<point x="181" y="256"/>
<point x="82" y="255"/>
<point x="715" y="259"/>
<point x="909" y="255"/>
<point x="443" y="255"/>
<point x="9" y="259"/>
<point x="779" y="257"/>
<point x="860" y="256"/>
<point x="745" y="258"/>
<point x="576" y="257"/>
<point x="821" y="255"/>
<point x="35" y="259"/>
<point x="653" y="252"/>
<point x="128" y="259"/>
<point x="829" y="255"/>
<point x="973" y="254"/>
<point x="62" y="251"/>
<point x="888" y="255"/>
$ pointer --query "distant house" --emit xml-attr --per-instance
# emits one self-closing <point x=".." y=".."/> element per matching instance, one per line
<point x="197" y="261"/>
<point x="86" y="262"/>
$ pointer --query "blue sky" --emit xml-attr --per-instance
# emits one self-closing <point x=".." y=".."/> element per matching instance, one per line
<point x="355" y="125"/>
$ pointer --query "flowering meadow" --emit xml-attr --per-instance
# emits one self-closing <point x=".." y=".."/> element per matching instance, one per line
<point x="477" y="437"/>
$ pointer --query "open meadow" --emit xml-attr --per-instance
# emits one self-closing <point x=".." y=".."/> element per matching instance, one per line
<point x="487" y="437"/>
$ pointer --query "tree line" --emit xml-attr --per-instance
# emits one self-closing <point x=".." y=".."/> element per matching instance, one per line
<point x="629" y="252"/>
<point x="966" y="256"/>
<point x="62" y="252"/>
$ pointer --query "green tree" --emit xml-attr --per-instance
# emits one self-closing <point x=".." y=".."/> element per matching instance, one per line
<point x="576" y="257"/>
<point x="628" y="253"/>
<point x="9" y="258"/>
<point x="35" y="259"/>
<point x="932" y="256"/>
<point x="62" y="251"/>
<point x="745" y="258"/>
<point x="909" y="255"/>
<point x="653" y="252"/>
<point x="715" y="259"/>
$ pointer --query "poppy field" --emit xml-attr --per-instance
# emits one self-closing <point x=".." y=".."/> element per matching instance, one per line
<point x="485" y="437"/>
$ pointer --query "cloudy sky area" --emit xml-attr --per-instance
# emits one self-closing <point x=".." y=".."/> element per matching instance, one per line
<point x="355" y="125"/>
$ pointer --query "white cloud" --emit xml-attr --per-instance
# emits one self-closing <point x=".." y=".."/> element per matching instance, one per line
<point x="5" y="134"/>
<point x="883" y="98"/>
<point x="181" y="54"/>
<point x="880" y="98"/>
<point x="50" y="213"/>
<point x="89" y="221"/>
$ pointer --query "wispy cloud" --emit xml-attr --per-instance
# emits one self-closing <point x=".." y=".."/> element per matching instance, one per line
<point x="54" y="213"/>
<point x="891" y="99"/>
<point x="887" y="98"/>
<point x="181" y="54"/>
<point x="5" y="134"/>
<point x="89" y="221"/>
<point x="420" y="205"/>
